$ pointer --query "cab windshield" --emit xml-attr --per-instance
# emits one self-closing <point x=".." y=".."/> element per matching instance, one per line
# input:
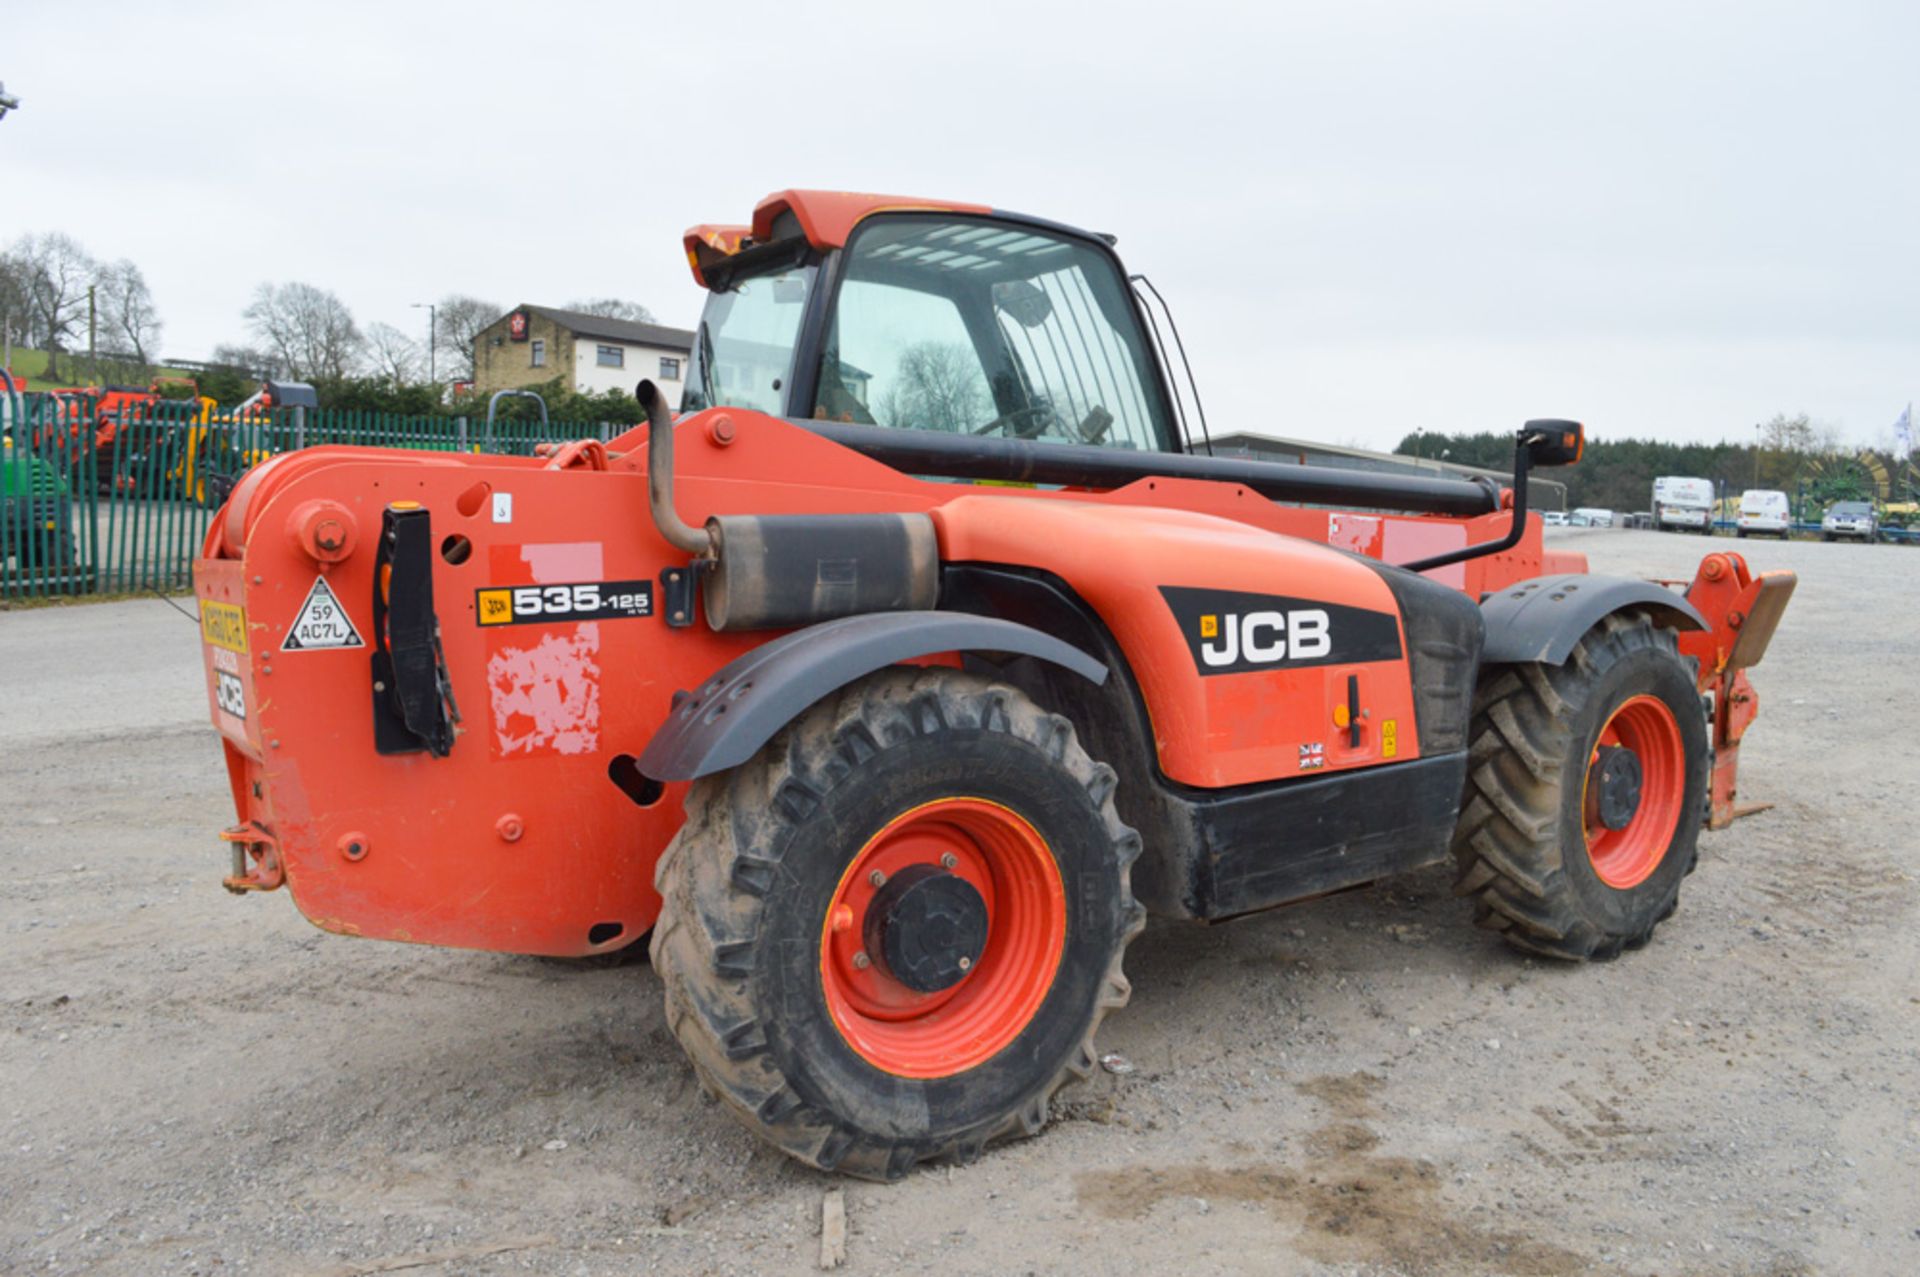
<point x="950" y="324"/>
<point x="967" y="326"/>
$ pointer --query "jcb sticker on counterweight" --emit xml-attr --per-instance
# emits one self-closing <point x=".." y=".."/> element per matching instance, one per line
<point x="229" y="694"/>
<point x="585" y="601"/>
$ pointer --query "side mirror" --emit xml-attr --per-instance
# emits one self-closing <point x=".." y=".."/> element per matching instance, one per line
<point x="1550" y="442"/>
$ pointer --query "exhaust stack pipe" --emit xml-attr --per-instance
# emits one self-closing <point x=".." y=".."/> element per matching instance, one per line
<point x="776" y="572"/>
<point x="678" y="532"/>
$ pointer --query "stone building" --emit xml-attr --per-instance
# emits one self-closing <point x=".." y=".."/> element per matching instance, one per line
<point x="531" y="345"/>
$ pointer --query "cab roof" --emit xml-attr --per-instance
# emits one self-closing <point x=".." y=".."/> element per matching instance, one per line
<point x="826" y="218"/>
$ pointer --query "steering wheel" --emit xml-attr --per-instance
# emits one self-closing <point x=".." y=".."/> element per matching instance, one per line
<point x="1037" y="418"/>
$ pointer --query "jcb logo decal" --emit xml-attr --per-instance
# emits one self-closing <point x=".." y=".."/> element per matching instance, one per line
<point x="1265" y="637"/>
<point x="496" y="606"/>
<point x="1230" y="632"/>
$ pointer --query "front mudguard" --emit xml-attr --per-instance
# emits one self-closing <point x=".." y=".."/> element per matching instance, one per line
<point x="1540" y="620"/>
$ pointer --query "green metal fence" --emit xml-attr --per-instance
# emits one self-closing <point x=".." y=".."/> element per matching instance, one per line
<point x="111" y="493"/>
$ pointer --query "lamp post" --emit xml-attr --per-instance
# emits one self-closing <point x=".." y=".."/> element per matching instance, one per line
<point x="1759" y="434"/>
<point x="432" y="336"/>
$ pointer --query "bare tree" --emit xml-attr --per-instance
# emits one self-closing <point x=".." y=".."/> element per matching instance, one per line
<point x="13" y="297"/>
<point x="394" y="355"/>
<point x="457" y="324"/>
<point x="1799" y="433"/>
<point x="252" y="360"/>
<point x="310" y="330"/>
<point x="52" y="272"/>
<point x="1788" y="434"/>
<point x="129" y="323"/>
<point x="613" y="308"/>
<point x="939" y="388"/>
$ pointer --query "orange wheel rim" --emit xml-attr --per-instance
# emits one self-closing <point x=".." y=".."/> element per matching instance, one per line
<point x="1626" y="856"/>
<point x="937" y="1034"/>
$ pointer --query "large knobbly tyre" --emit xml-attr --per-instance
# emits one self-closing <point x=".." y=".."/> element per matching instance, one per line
<point x="891" y="935"/>
<point x="1586" y="788"/>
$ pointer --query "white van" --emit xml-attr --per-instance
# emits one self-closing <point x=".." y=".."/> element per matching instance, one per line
<point x="1591" y="517"/>
<point x="1763" y="510"/>
<point x="1683" y="504"/>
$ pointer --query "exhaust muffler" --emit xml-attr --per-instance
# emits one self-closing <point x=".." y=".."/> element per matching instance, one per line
<point x="771" y="572"/>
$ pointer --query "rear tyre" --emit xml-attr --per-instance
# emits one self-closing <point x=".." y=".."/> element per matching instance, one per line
<point x="891" y="935"/>
<point x="1586" y="790"/>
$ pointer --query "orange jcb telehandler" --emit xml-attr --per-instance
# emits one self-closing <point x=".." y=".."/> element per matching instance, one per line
<point x="891" y="686"/>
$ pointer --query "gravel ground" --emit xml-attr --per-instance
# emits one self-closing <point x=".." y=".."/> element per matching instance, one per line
<point x="194" y="1083"/>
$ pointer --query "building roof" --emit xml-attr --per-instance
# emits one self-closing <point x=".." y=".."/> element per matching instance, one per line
<point x="582" y="324"/>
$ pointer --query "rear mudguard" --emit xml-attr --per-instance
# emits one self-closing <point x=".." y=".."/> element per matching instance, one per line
<point x="1540" y="620"/>
<point x="739" y="709"/>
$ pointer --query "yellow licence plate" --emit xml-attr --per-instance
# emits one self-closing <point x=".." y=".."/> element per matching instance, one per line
<point x="223" y="625"/>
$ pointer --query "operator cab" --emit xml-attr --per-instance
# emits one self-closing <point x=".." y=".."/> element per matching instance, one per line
<point x="947" y="322"/>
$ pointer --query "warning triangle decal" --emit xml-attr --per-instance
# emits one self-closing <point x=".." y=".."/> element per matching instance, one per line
<point x="322" y="623"/>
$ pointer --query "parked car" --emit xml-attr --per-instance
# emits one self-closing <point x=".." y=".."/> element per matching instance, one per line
<point x="1554" y="518"/>
<point x="1762" y="510"/>
<point x="1849" y="519"/>
<point x="1590" y="517"/>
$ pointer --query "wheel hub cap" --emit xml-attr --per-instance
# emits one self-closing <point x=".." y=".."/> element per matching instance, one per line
<point x="927" y="927"/>
<point x="1615" y="784"/>
<point x="1636" y="790"/>
<point x="943" y="937"/>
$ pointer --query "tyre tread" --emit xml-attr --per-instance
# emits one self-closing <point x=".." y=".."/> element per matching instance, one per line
<point x="1505" y="846"/>
<point x="730" y="844"/>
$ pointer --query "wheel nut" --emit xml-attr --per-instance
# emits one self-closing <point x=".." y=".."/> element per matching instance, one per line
<point x="964" y="963"/>
<point x="861" y="961"/>
<point x="877" y="878"/>
<point x="948" y="860"/>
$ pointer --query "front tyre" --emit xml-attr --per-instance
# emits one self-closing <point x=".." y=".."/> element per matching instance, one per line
<point x="1585" y="794"/>
<point x="891" y="935"/>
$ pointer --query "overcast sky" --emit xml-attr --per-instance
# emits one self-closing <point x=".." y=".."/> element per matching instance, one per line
<point x="1670" y="219"/>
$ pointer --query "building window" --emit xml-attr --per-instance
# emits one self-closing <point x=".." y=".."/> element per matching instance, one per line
<point x="539" y="354"/>
<point x="610" y="356"/>
<point x="669" y="368"/>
